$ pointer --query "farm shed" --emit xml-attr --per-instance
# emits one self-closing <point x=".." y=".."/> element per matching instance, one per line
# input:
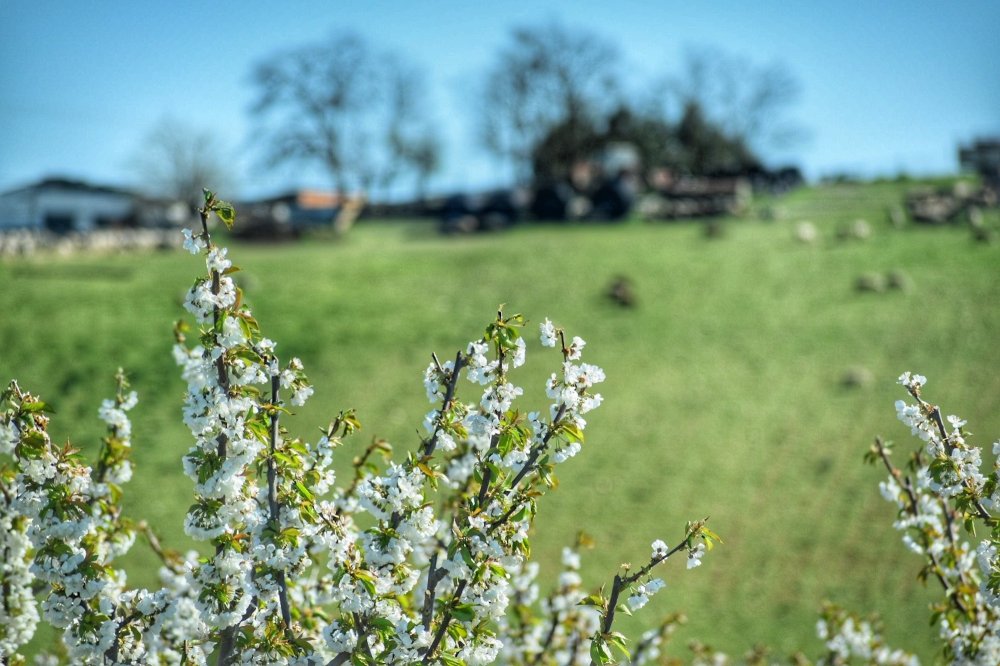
<point x="63" y="205"/>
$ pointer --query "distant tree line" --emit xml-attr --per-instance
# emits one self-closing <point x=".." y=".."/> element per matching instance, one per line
<point x="553" y="96"/>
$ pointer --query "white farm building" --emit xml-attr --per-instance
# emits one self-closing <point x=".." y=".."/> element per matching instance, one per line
<point x="62" y="205"/>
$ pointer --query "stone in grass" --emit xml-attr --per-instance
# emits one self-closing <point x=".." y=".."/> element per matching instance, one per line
<point x="857" y="230"/>
<point x="715" y="229"/>
<point x="857" y="376"/>
<point x="860" y="230"/>
<point x="897" y="217"/>
<point x="622" y="292"/>
<point x="975" y="217"/>
<point x="806" y="233"/>
<point x="873" y="282"/>
<point x="898" y="280"/>
<point x="983" y="234"/>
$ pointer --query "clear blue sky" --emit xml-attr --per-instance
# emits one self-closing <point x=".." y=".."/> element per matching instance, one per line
<point x="886" y="86"/>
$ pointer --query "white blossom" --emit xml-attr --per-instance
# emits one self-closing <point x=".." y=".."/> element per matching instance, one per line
<point x="549" y="335"/>
<point x="695" y="555"/>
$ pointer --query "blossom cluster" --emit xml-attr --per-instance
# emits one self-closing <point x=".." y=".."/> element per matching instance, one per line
<point x="423" y="558"/>
<point x="419" y="559"/>
<point x="19" y="611"/>
<point x="847" y="637"/>
<point x="944" y="490"/>
<point x="66" y="525"/>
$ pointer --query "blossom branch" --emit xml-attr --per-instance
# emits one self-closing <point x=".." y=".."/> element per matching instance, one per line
<point x="537" y="450"/>
<point x="445" y="621"/>
<point x="274" y="509"/>
<point x="912" y="508"/>
<point x="484" y="487"/>
<point x="460" y="362"/>
<point x="620" y="583"/>
<point x="549" y="635"/>
<point x="168" y="558"/>
<point x="934" y="413"/>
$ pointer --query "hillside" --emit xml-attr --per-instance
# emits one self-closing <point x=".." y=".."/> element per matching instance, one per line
<point x="724" y="395"/>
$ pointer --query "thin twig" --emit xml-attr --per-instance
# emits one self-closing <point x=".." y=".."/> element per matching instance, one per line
<point x="484" y="487"/>
<point x="537" y="451"/>
<point x="621" y="583"/>
<point x="907" y="486"/>
<point x="548" y="638"/>
<point x="445" y="621"/>
<point x="449" y="395"/>
<point x="169" y="560"/>
<point x="227" y="639"/>
<point x="274" y="508"/>
<point x="434" y="575"/>
<point x="934" y="412"/>
<point x="573" y="646"/>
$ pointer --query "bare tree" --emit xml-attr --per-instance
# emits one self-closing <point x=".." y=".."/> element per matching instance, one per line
<point x="341" y="106"/>
<point x="176" y="160"/>
<point x="404" y="127"/>
<point x="413" y="142"/>
<point x="545" y="76"/>
<point x="748" y="101"/>
<point x="423" y="156"/>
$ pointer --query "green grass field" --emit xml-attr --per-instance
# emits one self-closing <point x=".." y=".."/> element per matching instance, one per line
<point x="724" y="394"/>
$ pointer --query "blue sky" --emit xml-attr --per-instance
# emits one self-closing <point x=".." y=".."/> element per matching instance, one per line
<point x="886" y="86"/>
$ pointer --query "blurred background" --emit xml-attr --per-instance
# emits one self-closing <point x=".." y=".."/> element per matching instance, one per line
<point x="758" y="217"/>
<point x="867" y="91"/>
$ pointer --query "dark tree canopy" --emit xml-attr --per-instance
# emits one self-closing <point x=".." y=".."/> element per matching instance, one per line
<point x="705" y="148"/>
<point x="545" y="77"/>
<point x="746" y="100"/>
<point x="693" y="145"/>
<point x="566" y="143"/>
<point x="653" y="137"/>
<point x="552" y="100"/>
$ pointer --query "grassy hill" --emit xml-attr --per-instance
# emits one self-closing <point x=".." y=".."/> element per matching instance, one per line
<point x="724" y="395"/>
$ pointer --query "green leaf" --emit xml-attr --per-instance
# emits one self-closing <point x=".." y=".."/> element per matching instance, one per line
<point x="463" y="612"/>
<point x="450" y="660"/>
<point x="572" y="432"/>
<point x="618" y="640"/>
<point x="598" y="651"/>
<point x="970" y="525"/>
<point x="286" y="459"/>
<point x="226" y="213"/>
<point x="457" y="630"/>
<point x="366" y="579"/>
<point x="382" y="623"/>
<point x="299" y="486"/>
<point x="32" y="444"/>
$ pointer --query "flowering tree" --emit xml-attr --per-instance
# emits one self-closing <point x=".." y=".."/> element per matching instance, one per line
<point x="418" y="560"/>
<point x="942" y="491"/>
